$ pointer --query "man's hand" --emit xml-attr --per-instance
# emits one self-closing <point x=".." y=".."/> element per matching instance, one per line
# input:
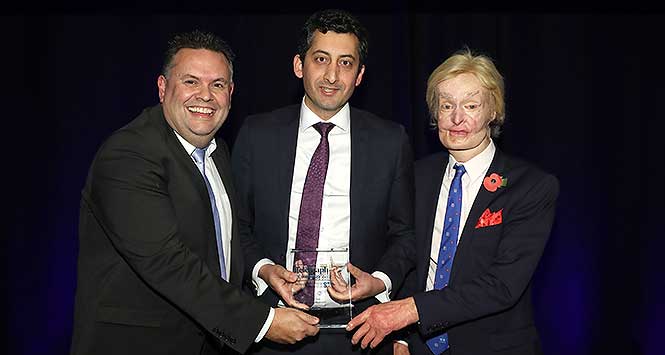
<point x="400" y="349"/>
<point x="284" y="282"/>
<point x="366" y="285"/>
<point x="291" y="325"/>
<point x="380" y="320"/>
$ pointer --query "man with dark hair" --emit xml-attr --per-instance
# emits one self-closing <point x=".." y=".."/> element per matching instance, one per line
<point x="160" y="263"/>
<point x="323" y="175"/>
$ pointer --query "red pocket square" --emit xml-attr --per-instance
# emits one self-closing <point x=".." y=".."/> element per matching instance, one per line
<point x="490" y="218"/>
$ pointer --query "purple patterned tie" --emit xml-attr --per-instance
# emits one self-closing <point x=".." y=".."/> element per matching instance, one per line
<point x="309" y="218"/>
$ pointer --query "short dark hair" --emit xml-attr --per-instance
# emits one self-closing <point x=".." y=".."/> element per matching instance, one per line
<point x="338" y="21"/>
<point x="196" y="40"/>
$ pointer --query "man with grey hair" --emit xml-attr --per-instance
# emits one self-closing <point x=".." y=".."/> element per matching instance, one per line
<point x="482" y="221"/>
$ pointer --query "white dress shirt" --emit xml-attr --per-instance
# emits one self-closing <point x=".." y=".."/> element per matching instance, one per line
<point x="335" y="229"/>
<point x="476" y="170"/>
<point x="224" y="208"/>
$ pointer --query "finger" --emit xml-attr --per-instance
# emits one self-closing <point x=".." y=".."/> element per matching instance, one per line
<point x="289" y="276"/>
<point x="358" y="320"/>
<point x="356" y="272"/>
<point x="360" y="333"/>
<point x="338" y="280"/>
<point x="308" y="318"/>
<point x="377" y="340"/>
<point x="291" y="301"/>
<point x="367" y="339"/>
<point x="311" y="330"/>
<point x="339" y="287"/>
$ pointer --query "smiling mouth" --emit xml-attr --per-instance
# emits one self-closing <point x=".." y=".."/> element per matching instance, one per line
<point x="201" y="110"/>
<point x="327" y="90"/>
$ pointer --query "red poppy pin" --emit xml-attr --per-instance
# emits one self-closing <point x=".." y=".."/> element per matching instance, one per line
<point x="494" y="181"/>
<point x="490" y="218"/>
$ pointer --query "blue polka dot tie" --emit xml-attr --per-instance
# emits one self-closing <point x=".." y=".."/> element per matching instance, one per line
<point x="439" y="343"/>
<point x="199" y="158"/>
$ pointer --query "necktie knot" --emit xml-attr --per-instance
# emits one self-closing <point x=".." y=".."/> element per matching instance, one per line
<point x="199" y="155"/>
<point x="324" y="128"/>
<point x="459" y="170"/>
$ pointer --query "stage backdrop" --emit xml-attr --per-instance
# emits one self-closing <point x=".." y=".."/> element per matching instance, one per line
<point x="584" y="102"/>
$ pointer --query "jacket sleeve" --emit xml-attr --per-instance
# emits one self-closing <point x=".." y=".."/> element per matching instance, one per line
<point x="399" y="259"/>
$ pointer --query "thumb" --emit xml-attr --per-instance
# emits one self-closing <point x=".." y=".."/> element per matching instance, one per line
<point x="289" y="276"/>
<point x="356" y="272"/>
<point x="308" y="318"/>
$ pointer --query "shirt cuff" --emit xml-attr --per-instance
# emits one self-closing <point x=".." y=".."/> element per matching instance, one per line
<point x="384" y="296"/>
<point x="402" y="342"/>
<point x="261" y="286"/>
<point x="266" y="325"/>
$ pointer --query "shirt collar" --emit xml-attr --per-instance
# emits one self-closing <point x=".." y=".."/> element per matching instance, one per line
<point x="341" y="119"/>
<point x="189" y="148"/>
<point x="477" y="166"/>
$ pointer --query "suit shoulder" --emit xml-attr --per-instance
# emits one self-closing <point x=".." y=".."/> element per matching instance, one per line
<point x="431" y="161"/>
<point x="139" y="134"/>
<point x="276" y="116"/>
<point x="375" y="122"/>
<point x="530" y="174"/>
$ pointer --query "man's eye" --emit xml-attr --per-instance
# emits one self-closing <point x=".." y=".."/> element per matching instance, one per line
<point x="219" y="85"/>
<point x="446" y="107"/>
<point x="346" y="63"/>
<point x="320" y="59"/>
<point x="190" y="82"/>
<point x="472" y="106"/>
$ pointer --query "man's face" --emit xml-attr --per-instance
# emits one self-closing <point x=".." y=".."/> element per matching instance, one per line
<point x="329" y="72"/>
<point x="465" y="111"/>
<point x="196" y="96"/>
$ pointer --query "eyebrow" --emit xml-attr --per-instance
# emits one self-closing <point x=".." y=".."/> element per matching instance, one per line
<point x="188" y="76"/>
<point x="329" y="55"/>
<point x="467" y="95"/>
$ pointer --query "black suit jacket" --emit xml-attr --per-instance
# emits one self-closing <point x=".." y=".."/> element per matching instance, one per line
<point x="486" y="308"/>
<point x="381" y="191"/>
<point x="148" y="273"/>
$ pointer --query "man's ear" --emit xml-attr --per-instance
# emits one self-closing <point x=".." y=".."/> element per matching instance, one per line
<point x="161" y="87"/>
<point x="297" y="66"/>
<point x="359" y="78"/>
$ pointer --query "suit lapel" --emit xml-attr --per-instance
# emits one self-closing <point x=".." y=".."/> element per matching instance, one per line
<point x="223" y="165"/>
<point x="286" y="140"/>
<point x="483" y="199"/>
<point x="186" y="163"/>
<point x="431" y="190"/>
<point x="359" y="166"/>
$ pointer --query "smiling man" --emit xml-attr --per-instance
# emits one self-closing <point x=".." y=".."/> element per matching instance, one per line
<point x="160" y="263"/>
<point x="325" y="175"/>
<point x="482" y="221"/>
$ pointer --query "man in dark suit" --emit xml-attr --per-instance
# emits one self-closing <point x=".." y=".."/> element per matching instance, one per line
<point x="475" y="286"/>
<point x="160" y="262"/>
<point x="364" y="199"/>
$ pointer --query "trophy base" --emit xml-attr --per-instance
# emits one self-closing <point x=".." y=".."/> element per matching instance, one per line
<point x="332" y="318"/>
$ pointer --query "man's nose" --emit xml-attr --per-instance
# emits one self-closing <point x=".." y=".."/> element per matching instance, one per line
<point x="331" y="73"/>
<point x="457" y="116"/>
<point x="204" y="93"/>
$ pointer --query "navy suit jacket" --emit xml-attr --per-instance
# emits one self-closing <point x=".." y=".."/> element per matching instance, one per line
<point x="381" y="192"/>
<point x="486" y="308"/>
<point x="148" y="274"/>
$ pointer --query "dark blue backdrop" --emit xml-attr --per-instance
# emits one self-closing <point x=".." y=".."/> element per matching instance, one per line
<point x="584" y="101"/>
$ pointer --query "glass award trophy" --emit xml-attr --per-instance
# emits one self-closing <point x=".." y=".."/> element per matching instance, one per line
<point x="314" y="268"/>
